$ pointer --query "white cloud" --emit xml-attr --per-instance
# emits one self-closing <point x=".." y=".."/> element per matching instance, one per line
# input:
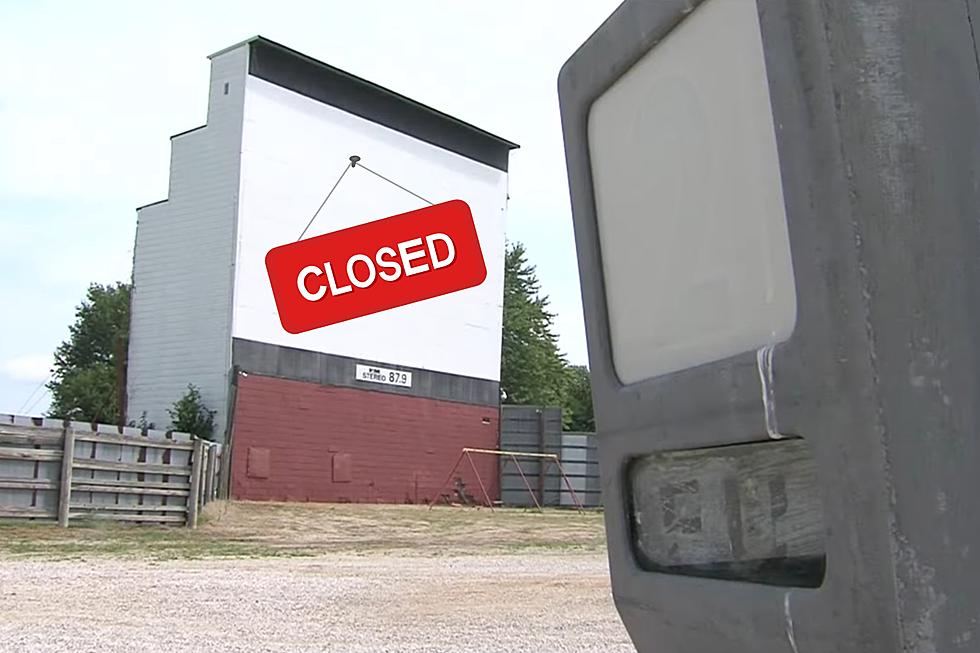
<point x="28" y="368"/>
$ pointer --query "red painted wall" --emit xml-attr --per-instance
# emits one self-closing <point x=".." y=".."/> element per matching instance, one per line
<point x="298" y="441"/>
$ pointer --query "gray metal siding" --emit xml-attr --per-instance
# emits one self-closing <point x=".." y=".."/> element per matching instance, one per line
<point x="331" y="369"/>
<point x="180" y="329"/>
<point x="534" y="429"/>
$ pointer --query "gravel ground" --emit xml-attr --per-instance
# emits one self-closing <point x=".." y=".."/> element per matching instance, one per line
<point x="545" y="602"/>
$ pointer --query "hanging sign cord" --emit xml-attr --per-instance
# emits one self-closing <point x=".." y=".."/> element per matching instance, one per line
<point x="337" y="183"/>
<point x="364" y="167"/>
<point x="354" y="160"/>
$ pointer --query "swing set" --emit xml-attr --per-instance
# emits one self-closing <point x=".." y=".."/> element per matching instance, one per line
<point x="545" y="459"/>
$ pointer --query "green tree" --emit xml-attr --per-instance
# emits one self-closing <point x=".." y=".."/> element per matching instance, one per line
<point x="532" y="368"/>
<point x="84" y="384"/>
<point x="190" y="415"/>
<point x="577" y="404"/>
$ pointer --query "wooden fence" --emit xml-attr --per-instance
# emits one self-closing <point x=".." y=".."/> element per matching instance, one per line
<point x="72" y="470"/>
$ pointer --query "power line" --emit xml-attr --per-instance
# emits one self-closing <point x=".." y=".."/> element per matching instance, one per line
<point x="36" y="401"/>
<point x="31" y="396"/>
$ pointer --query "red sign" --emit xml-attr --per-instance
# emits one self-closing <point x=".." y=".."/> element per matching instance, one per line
<point x="375" y="266"/>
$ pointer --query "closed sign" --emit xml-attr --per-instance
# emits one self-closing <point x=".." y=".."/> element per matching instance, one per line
<point x="375" y="266"/>
<point x="373" y="374"/>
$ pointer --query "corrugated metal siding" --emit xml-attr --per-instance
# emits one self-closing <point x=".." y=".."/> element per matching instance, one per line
<point x="535" y="429"/>
<point x="530" y="429"/>
<point x="298" y="441"/>
<point x="575" y="450"/>
<point x="180" y="329"/>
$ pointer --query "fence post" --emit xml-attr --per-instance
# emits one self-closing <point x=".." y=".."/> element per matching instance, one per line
<point x="64" y="490"/>
<point x="209" y="474"/>
<point x="219" y="467"/>
<point x="224" y="472"/>
<point x="541" y="449"/>
<point x="202" y="493"/>
<point x="194" y="496"/>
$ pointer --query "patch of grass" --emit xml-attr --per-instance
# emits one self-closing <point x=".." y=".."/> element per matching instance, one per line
<point x="262" y="530"/>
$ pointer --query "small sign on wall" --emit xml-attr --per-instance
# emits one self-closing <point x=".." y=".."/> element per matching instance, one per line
<point x="373" y="374"/>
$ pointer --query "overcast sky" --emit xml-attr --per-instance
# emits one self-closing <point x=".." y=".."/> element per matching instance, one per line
<point x="91" y="92"/>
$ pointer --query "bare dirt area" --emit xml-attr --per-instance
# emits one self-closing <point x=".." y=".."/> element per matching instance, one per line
<point x="291" y="577"/>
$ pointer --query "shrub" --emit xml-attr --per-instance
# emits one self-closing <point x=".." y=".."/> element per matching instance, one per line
<point x="190" y="415"/>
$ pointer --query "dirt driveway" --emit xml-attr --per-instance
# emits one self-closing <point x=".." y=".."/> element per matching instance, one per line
<point x="262" y="577"/>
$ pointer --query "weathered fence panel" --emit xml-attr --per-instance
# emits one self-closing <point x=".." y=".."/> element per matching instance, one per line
<point x="31" y="462"/>
<point x="71" y="470"/>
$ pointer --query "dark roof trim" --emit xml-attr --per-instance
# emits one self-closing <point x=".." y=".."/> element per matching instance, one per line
<point x="193" y="129"/>
<point x="297" y="72"/>
<point x="145" y="206"/>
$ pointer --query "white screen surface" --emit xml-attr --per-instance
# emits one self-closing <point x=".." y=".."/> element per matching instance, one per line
<point x="691" y="220"/>
<point x="293" y="150"/>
